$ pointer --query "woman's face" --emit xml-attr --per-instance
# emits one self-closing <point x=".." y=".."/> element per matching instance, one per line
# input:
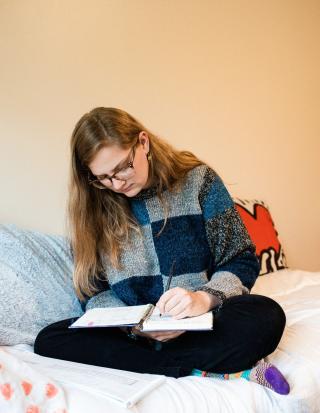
<point x="113" y="159"/>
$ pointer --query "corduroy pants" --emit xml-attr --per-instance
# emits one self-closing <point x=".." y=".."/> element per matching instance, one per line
<point x="246" y="329"/>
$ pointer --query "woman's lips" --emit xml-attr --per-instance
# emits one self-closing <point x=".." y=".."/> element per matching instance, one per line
<point x="127" y="189"/>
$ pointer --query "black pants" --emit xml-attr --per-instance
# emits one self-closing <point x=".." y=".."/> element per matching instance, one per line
<point x="246" y="329"/>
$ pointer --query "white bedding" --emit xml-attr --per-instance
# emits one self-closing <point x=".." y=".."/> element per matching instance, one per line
<point x="298" y="356"/>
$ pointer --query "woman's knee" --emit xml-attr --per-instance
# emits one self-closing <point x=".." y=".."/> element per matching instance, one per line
<point x="256" y="316"/>
<point x="270" y="314"/>
<point x="50" y="335"/>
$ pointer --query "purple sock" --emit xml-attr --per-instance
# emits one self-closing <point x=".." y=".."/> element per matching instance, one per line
<point x="269" y="376"/>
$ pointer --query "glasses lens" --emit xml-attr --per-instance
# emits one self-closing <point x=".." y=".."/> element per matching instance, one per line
<point x="125" y="174"/>
<point x="128" y="172"/>
<point x="99" y="185"/>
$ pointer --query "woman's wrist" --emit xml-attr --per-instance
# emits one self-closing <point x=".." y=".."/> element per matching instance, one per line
<point x="210" y="301"/>
<point x="215" y="298"/>
<point x="131" y="333"/>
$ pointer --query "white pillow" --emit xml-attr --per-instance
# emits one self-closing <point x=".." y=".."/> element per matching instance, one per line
<point x="36" y="286"/>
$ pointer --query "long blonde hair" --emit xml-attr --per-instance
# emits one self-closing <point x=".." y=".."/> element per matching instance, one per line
<point x="100" y="221"/>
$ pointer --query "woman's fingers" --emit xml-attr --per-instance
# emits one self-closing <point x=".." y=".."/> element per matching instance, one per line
<point x="162" y="335"/>
<point x="166" y="336"/>
<point x="172" y="304"/>
<point x="179" y="306"/>
<point x="164" y="299"/>
<point x="177" y="309"/>
<point x="170" y="299"/>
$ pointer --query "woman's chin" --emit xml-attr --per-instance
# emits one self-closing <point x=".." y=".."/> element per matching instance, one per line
<point x="132" y="191"/>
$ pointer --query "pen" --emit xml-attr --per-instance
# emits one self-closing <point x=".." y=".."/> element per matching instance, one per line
<point x="169" y="279"/>
<point x="157" y="345"/>
<point x="170" y="276"/>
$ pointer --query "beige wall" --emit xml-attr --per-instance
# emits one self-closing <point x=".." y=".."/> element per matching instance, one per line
<point x="237" y="82"/>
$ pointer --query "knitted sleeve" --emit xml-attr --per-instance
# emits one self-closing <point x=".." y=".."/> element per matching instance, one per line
<point x="105" y="298"/>
<point x="235" y="265"/>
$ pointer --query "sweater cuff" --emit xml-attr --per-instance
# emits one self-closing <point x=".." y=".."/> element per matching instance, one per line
<point x="228" y="283"/>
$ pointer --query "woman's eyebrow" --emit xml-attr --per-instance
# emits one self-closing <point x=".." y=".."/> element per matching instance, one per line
<point x="122" y="163"/>
<point x="117" y="167"/>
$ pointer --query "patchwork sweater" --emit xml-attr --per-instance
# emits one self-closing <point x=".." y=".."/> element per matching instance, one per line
<point x="204" y="237"/>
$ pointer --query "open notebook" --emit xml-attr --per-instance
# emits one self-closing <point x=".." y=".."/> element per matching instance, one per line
<point x="145" y="317"/>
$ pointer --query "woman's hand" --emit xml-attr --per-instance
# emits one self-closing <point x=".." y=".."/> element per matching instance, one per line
<point x="158" y="335"/>
<point x="155" y="335"/>
<point x="181" y="303"/>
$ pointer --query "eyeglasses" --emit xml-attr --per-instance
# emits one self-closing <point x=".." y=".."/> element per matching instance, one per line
<point x="123" y="174"/>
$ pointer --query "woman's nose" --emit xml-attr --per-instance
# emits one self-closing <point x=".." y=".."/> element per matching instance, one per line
<point x="118" y="183"/>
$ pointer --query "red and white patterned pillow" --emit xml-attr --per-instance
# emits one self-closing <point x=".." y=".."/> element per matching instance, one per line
<point x="257" y="218"/>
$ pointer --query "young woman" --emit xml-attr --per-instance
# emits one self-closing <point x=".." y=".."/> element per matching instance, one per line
<point x="139" y="210"/>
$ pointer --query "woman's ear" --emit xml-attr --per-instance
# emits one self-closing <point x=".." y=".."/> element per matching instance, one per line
<point x="144" y="141"/>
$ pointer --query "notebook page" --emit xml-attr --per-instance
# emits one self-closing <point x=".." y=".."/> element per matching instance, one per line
<point x="165" y="322"/>
<point x="111" y="316"/>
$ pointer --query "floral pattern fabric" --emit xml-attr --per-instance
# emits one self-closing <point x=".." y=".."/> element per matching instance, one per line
<point x="24" y="390"/>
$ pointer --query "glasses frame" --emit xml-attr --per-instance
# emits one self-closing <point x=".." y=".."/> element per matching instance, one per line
<point x="97" y="182"/>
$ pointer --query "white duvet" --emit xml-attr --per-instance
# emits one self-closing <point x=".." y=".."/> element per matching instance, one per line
<point x="298" y="357"/>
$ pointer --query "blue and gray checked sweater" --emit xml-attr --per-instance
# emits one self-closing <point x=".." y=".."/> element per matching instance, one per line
<point x="204" y="235"/>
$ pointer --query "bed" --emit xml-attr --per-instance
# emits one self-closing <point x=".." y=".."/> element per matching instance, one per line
<point x="58" y="387"/>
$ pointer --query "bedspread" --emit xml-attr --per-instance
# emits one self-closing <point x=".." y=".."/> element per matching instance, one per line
<point x="24" y="390"/>
<point x="298" y="357"/>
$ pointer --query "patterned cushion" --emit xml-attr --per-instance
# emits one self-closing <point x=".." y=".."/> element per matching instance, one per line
<point x="257" y="219"/>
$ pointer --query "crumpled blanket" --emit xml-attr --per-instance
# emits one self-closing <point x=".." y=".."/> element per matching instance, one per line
<point x="24" y="390"/>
